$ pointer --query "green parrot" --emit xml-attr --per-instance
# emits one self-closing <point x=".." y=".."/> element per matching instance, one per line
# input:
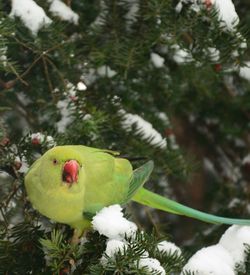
<point x="69" y="184"/>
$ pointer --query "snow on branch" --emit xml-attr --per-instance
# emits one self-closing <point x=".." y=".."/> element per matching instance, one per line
<point x="111" y="223"/>
<point x="157" y="60"/>
<point x="58" y="8"/>
<point x="143" y="127"/>
<point x="234" y="240"/>
<point x="32" y="15"/>
<point x="169" y="247"/>
<point x="227" y="13"/>
<point x="152" y="265"/>
<point x="222" y="258"/>
<point x="244" y="71"/>
<point x="226" y="10"/>
<point x="211" y="260"/>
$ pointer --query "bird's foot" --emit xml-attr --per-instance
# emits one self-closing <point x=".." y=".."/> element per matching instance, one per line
<point x="78" y="235"/>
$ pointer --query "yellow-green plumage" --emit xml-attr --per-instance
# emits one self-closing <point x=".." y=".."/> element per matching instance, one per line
<point x="103" y="179"/>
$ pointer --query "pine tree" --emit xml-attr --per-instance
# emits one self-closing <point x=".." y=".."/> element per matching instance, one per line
<point x="156" y="80"/>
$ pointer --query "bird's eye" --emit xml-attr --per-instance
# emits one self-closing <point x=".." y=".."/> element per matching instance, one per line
<point x="55" y="161"/>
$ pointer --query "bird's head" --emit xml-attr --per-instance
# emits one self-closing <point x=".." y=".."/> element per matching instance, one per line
<point x="56" y="183"/>
<point x="62" y="168"/>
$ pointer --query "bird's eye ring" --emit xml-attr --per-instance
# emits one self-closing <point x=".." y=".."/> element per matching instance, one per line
<point x="54" y="161"/>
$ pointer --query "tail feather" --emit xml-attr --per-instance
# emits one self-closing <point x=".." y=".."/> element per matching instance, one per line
<point x="151" y="199"/>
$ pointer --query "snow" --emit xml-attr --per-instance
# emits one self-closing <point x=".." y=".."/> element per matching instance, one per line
<point x="239" y="142"/>
<point x="246" y="159"/>
<point x="23" y="98"/>
<point x="157" y="60"/>
<point x="24" y="165"/>
<point x="244" y="71"/>
<point x="229" y="170"/>
<point x="39" y="137"/>
<point x="234" y="203"/>
<point x="99" y="20"/>
<point x="143" y="127"/>
<point x="226" y="11"/>
<point x="181" y="56"/>
<point x="3" y="56"/>
<point x="212" y="260"/>
<point x="172" y="142"/>
<point x="221" y="258"/>
<point x="132" y="12"/>
<point x="153" y="265"/>
<point x="50" y="141"/>
<point x="208" y="165"/>
<point x="214" y="54"/>
<point x="66" y="107"/>
<point x="60" y="9"/>
<point x="66" y="115"/>
<point x="105" y="71"/>
<point x="113" y="246"/>
<point x="164" y="118"/>
<point x="71" y="90"/>
<point x="32" y="15"/>
<point x="35" y="18"/>
<point x="89" y="76"/>
<point x="233" y="241"/>
<point x="179" y="7"/>
<point x="169" y="247"/>
<point x="111" y="223"/>
<point x="87" y="117"/>
<point x="81" y="86"/>
<point x="243" y="45"/>
<point x="3" y="175"/>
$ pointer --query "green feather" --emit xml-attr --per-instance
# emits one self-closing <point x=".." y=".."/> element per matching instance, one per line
<point x="139" y="177"/>
<point x="151" y="199"/>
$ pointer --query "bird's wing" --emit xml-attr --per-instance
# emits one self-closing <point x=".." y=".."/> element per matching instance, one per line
<point x="121" y="176"/>
<point x="139" y="177"/>
<point x="91" y="210"/>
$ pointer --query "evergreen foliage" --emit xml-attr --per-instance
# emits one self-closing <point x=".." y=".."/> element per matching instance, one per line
<point x="196" y="99"/>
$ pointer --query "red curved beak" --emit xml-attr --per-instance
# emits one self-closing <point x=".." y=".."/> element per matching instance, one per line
<point x="70" y="171"/>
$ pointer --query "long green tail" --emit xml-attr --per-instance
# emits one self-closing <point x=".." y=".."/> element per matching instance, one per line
<point x="151" y="199"/>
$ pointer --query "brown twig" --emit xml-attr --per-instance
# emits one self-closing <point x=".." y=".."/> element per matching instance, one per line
<point x="20" y="78"/>
<point x="12" y="194"/>
<point x="57" y="70"/>
<point x="11" y="83"/>
<point x="46" y="71"/>
<point x="24" y="45"/>
<point x="4" y="218"/>
<point x="148" y="213"/>
<point x="68" y="3"/>
<point x="5" y="202"/>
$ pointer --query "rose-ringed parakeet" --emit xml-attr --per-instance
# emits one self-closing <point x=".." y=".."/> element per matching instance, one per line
<point x="69" y="184"/>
